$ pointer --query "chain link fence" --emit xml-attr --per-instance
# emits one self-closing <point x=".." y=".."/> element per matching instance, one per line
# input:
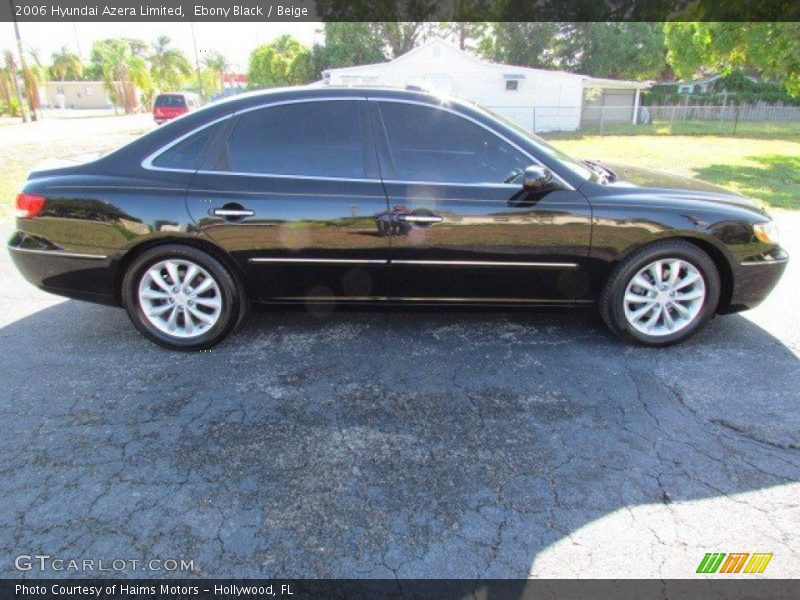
<point x="677" y="119"/>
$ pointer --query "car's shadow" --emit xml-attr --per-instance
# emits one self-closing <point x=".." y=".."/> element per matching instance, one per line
<point x="373" y="444"/>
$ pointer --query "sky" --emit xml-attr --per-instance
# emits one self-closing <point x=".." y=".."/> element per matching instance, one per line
<point x="234" y="40"/>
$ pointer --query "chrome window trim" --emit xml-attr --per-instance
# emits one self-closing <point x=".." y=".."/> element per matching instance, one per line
<point x="277" y="176"/>
<point x="568" y="185"/>
<point x="147" y="163"/>
<point x="58" y="253"/>
<point x="477" y="185"/>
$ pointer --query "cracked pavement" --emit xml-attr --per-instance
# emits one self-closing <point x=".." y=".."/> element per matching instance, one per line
<point x="464" y="444"/>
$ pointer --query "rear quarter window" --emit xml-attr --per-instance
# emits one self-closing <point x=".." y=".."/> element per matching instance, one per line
<point x="188" y="153"/>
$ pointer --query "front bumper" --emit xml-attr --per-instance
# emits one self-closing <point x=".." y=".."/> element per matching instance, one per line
<point x="52" y="269"/>
<point x="754" y="280"/>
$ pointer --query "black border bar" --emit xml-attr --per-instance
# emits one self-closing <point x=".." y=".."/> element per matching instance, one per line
<point x="398" y="10"/>
<point x="722" y="587"/>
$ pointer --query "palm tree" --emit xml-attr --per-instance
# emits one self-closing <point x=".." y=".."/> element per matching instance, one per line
<point x="123" y="71"/>
<point x="217" y="63"/>
<point x="10" y="74"/>
<point x="168" y="65"/>
<point x="33" y="76"/>
<point x="66" y="64"/>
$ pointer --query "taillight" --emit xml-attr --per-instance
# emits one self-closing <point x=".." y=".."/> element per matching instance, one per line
<point x="28" y="205"/>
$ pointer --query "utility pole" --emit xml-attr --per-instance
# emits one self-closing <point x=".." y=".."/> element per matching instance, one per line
<point x="77" y="40"/>
<point x="22" y="108"/>
<point x="197" y="63"/>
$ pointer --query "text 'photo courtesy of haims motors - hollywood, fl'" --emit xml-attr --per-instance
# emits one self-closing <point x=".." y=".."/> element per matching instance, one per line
<point x="400" y="300"/>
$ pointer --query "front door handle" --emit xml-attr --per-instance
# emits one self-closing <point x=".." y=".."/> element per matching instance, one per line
<point x="423" y="219"/>
<point x="232" y="212"/>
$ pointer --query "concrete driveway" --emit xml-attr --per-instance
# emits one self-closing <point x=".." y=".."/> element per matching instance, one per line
<point x="410" y="444"/>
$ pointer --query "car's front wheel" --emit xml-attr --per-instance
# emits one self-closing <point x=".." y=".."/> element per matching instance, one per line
<point x="181" y="297"/>
<point x="661" y="294"/>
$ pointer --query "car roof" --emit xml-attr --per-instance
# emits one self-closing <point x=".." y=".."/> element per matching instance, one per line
<point x="257" y="97"/>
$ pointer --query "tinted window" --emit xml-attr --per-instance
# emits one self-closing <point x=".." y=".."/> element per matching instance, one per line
<point x="428" y="144"/>
<point x="188" y="153"/>
<point x="317" y="139"/>
<point x="170" y="100"/>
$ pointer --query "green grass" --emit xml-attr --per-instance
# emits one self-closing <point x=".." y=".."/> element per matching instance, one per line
<point x="766" y="169"/>
<point x="757" y="129"/>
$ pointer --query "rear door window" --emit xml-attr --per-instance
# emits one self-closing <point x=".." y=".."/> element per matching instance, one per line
<point x="309" y="139"/>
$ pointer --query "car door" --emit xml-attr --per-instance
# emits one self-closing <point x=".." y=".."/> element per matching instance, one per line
<point x="461" y="230"/>
<point x="292" y="194"/>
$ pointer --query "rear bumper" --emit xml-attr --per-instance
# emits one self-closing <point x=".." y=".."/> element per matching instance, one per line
<point x="754" y="280"/>
<point x="74" y="275"/>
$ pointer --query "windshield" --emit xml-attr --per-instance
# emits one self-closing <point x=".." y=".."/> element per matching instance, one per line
<point x="543" y="146"/>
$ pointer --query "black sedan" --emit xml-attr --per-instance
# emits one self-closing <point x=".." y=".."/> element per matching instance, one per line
<point x="382" y="196"/>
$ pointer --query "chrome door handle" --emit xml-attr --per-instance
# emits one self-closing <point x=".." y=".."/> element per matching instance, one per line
<point x="232" y="212"/>
<point x="420" y="218"/>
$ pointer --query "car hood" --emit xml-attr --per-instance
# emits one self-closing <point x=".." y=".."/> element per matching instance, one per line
<point x="650" y="182"/>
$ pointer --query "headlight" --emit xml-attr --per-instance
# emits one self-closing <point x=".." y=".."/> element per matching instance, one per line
<point x="766" y="232"/>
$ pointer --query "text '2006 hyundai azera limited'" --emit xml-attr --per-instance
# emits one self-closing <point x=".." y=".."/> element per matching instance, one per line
<point x="382" y="196"/>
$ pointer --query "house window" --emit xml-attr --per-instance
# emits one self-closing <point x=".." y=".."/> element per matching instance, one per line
<point x="512" y="85"/>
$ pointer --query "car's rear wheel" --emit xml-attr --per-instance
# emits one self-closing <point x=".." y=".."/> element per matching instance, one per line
<point x="661" y="294"/>
<point x="181" y="297"/>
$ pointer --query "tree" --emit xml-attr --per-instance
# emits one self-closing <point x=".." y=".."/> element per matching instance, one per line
<point x="168" y="66"/>
<point x="34" y="75"/>
<point x="218" y="65"/>
<point x="282" y="62"/>
<point x="66" y="65"/>
<point x="124" y="69"/>
<point x="11" y="73"/>
<point x="523" y="44"/>
<point x="765" y="49"/>
<point x="349" y="44"/>
<point x="465" y="34"/>
<point x="618" y="50"/>
<point x="402" y="36"/>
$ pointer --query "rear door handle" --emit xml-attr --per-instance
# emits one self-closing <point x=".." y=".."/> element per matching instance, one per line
<point x="427" y="219"/>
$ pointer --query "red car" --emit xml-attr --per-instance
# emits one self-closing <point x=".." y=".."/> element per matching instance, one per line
<point x="174" y="104"/>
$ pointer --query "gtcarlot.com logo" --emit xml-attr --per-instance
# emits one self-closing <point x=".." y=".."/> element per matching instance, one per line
<point x="45" y="562"/>
<point x="735" y="562"/>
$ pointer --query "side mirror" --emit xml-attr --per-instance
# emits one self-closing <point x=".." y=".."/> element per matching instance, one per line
<point x="538" y="179"/>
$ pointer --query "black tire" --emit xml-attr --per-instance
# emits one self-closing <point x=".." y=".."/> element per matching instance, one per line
<point x="611" y="302"/>
<point x="233" y="300"/>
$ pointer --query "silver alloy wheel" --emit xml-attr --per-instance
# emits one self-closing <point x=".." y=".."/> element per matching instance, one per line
<point x="180" y="298"/>
<point x="664" y="297"/>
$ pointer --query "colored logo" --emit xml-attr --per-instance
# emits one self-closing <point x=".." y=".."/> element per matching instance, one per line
<point x="736" y="562"/>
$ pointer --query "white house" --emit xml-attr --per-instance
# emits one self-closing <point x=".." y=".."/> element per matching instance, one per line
<point x="77" y="94"/>
<point x="536" y="99"/>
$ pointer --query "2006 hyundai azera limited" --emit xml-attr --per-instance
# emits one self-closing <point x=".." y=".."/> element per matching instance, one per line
<point x="367" y="196"/>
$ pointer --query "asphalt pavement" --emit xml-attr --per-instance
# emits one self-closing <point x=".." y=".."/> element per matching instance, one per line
<point x="433" y="443"/>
